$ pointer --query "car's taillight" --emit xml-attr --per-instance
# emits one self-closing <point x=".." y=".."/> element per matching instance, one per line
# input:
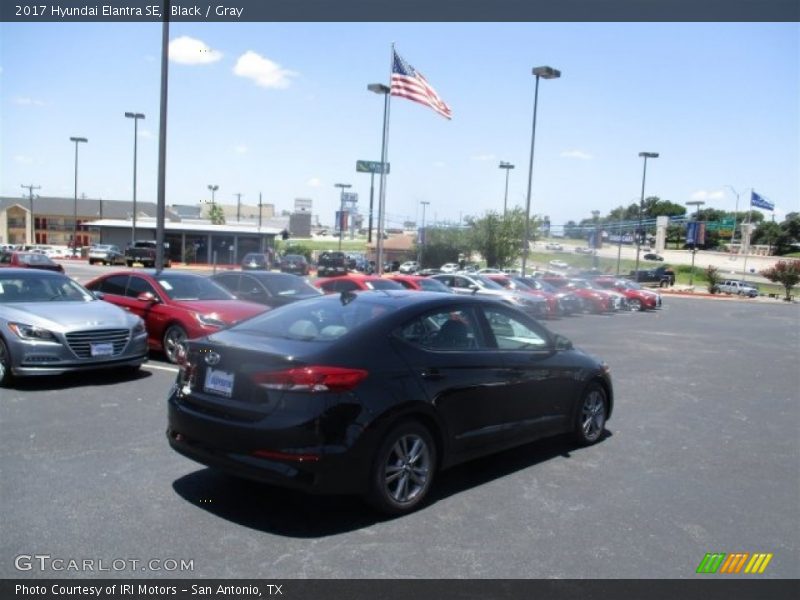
<point x="312" y="379"/>
<point x="186" y="371"/>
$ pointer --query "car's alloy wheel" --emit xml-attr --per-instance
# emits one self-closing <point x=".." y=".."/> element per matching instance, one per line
<point x="5" y="363"/>
<point x="591" y="415"/>
<point x="634" y="304"/>
<point x="403" y="470"/>
<point x="174" y="337"/>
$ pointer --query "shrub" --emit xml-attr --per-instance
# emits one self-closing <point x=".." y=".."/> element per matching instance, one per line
<point x="712" y="278"/>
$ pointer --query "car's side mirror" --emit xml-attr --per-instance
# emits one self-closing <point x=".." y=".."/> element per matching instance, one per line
<point x="148" y="297"/>
<point x="562" y="343"/>
<point x="98" y="295"/>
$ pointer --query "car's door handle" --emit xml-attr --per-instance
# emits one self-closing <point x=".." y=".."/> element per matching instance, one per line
<point x="431" y="374"/>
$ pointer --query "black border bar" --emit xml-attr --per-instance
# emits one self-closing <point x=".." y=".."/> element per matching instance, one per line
<point x="421" y="589"/>
<point x="402" y="10"/>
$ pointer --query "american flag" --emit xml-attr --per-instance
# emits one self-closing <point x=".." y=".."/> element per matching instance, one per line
<point x="409" y="83"/>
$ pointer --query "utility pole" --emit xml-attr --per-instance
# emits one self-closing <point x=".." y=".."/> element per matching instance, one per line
<point x="238" y="206"/>
<point x="30" y="189"/>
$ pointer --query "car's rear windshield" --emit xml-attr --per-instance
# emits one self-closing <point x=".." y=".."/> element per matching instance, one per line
<point x="316" y="320"/>
<point x="281" y="284"/>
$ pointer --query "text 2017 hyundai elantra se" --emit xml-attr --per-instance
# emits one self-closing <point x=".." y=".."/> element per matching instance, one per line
<point x="374" y="392"/>
<point x="50" y="325"/>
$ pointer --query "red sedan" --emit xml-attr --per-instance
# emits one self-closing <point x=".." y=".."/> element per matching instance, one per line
<point x="29" y="260"/>
<point x="638" y="297"/>
<point x="353" y="283"/>
<point x="421" y="284"/>
<point x="593" y="300"/>
<point x="175" y="306"/>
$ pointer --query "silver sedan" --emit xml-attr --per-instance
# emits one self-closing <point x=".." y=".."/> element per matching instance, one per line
<point x="49" y="324"/>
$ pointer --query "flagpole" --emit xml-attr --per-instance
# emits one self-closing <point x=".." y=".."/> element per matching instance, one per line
<point x="747" y="224"/>
<point x="384" y="156"/>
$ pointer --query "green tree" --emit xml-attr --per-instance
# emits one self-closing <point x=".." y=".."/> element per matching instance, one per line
<point x="786" y="273"/>
<point x="498" y="239"/>
<point x="216" y="215"/>
<point x="443" y="245"/>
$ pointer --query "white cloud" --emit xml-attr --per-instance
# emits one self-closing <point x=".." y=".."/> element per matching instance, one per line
<point x="314" y="182"/>
<point x="241" y="149"/>
<point x="704" y="195"/>
<point x="484" y="157"/>
<point x="146" y="134"/>
<point x="580" y="154"/>
<point x="189" y="51"/>
<point x="23" y="160"/>
<point x="439" y="164"/>
<point x="23" y="101"/>
<point x="263" y="71"/>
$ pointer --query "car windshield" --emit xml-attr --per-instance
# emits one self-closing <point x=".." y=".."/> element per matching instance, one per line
<point x="383" y="284"/>
<point x="316" y="320"/>
<point x="35" y="288"/>
<point x="487" y="283"/>
<point x="280" y="284"/>
<point x="34" y="259"/>
<point x="433" y="285"/>
<point x="192" y="287"/>
<point x="255" y="258"/>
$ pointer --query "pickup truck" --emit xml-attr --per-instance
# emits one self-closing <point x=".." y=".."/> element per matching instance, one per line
<point x="664" y="276"/>
<point x="144" y="252"/>
<point x="742" y="288"/>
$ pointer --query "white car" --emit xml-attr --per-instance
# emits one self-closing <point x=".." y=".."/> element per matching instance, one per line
<point x="553" y="246"/>
<point x="559" y="264"/>
<point x="449" y="268"/>
<point x="409" y="267"/>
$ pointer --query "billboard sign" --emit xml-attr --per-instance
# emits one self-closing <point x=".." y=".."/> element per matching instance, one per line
<point x="370" y="166"/>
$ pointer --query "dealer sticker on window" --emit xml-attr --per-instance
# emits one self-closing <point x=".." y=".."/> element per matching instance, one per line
<point x="219" y="382"/>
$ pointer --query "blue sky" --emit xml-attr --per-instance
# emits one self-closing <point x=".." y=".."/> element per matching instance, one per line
<point x="283" y="109"/>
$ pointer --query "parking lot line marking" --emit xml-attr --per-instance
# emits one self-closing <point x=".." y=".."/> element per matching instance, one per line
<point x="161" y="368"/>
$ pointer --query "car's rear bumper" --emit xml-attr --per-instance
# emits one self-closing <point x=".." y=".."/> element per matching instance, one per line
<point x="273" y="450"/>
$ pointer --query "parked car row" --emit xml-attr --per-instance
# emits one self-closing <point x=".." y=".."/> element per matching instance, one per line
<point x="367" y="392"/>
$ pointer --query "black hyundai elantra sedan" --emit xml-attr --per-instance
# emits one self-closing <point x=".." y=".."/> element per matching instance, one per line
<point x="375" y="392"/>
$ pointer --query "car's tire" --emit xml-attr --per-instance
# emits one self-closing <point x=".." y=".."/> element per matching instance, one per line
<point x="129" y="263"/>
<point x="635" y="305"/>
<point x="590" y="420"/>
<point x="174" y="336"/>
<point x="403" y="470"/>
<point x="5" y="364"/>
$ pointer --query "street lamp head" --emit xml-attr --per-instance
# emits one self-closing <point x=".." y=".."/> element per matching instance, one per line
<point x="344" y="186"/>
<point x="132" y="115"/>
<point x="213" y="188"/>
<point x="506" y="165"/>
<point x="547" y="72"/>
<point x="648" y="154"/>
<point x="78" y="139"/>
<point x="378" y="88"/>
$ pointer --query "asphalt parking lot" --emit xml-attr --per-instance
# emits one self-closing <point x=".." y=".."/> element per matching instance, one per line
<point x="701" y="456"/>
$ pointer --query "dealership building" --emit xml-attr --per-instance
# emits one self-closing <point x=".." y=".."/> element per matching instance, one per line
<point x="191" y="239"/>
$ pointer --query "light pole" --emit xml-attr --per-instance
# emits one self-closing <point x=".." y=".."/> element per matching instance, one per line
<point x="135" y="117"/>
<point x="77" y="141"/>
<point x="424" y="203"/>
<point x="735" y="215"/>
<point x="342" y="187"/>
<point x="543" y="73"/>
<point x="507" y="166"/>
<point x="213" y="189"/>
<point x="644" y="155"/>
<point x="595" y="216"/>
<point x="698" y="204"/>
<point x="379" y="88"/>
